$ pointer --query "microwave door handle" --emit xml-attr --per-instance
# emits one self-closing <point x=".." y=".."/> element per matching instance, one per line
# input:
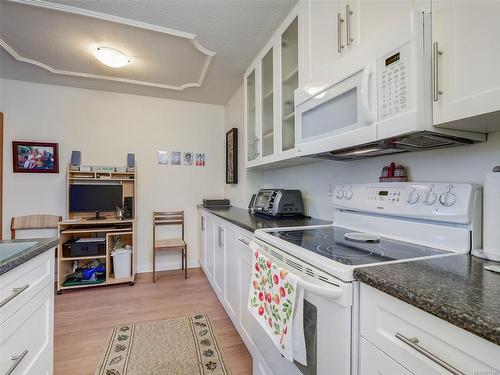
<point x="365" y="93"/>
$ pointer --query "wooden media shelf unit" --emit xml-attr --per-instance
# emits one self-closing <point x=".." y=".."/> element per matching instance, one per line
<point x="109" y="228"/>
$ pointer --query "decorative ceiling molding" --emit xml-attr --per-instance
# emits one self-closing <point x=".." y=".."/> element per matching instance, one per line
<point x="107" y="17"/>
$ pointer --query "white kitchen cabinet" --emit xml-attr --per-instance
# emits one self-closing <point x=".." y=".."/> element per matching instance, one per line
<point x="203" y="240"/>
<point x="209" y="246"/>
<point x="244" y="269"/>
<point x="374" y="362"/>
<point x="466" y="57"/>
<point x="418" y="341"/>
<point x="219" y="259"/>
<point x="232" y="271"/>
<point x="231" y="293"/>
<point x="27" y="317"/>
<point x="270" y="83"/>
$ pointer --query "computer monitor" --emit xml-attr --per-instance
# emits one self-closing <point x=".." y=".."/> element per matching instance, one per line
<point x="95" y="198"/>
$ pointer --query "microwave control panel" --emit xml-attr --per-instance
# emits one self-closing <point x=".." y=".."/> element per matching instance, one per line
<point x="393" y="83"/>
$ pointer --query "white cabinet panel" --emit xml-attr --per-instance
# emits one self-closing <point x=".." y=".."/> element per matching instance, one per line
<point x="245" y="277"/>
<point x="210" y="247"/>
<point x="323" y="48"/>
<point x="231" y="294"/>
<point x="203" y="240"/>
<point x="22" y="283"/>
<point x="26" y="341"/>
<point x="219" y="259"/>
<point x="407" y="333"/>
<point x="375" y="362"/>
<point x="467" y="33"/>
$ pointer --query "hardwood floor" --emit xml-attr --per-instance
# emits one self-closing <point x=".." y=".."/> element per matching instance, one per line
<point x="83" y="318"/>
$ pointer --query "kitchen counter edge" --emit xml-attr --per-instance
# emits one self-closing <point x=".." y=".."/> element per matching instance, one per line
<point x="41" y="246"/>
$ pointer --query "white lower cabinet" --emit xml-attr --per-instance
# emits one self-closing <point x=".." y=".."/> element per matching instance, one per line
<point x="418" y="341"/>
<point x="26" y="333"/>
<point x="219" y="260"/>
<point x="227" y="263"/>
<point x="231" y="293"/>
<point x="375" y="362"/>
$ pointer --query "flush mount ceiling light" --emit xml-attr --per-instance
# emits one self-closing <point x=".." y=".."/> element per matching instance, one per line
<point x="111" y="57"/>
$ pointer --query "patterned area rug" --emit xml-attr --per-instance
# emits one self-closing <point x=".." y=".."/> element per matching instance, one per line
<point x="184" y="346"/>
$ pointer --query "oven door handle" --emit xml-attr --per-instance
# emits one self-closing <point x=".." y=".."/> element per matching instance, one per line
<point x="330" y="292"/>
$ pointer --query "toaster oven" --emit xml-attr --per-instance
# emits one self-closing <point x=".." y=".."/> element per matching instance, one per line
<point x="278" y="203"/>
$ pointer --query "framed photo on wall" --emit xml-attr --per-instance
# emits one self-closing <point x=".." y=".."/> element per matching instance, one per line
<point x="232" y="156"/>
<point x="35" y="157"/>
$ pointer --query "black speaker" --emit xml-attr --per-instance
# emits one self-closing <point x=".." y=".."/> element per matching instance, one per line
<point x="76" y="159"/>
<point x="130" y="162"/>
<point x="128" y="207"/>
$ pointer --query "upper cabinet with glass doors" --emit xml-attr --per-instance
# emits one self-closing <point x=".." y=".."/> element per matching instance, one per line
<point x="270" y="84"/>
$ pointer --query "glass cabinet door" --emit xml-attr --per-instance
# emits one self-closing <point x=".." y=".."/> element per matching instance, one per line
<point x="289" y="82"/>
<point x="267" y="104"/>
<point x="251" y="118"/>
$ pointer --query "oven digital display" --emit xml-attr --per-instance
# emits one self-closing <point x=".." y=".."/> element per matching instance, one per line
<point x="383" y="193"/>
<point x="392" y="59"/>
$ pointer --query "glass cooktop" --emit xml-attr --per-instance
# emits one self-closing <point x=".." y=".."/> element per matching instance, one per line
<point x="354" y="248"/>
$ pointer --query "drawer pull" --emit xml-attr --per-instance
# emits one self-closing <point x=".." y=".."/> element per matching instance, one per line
<point x="244" y="242"/>
<point x="413" y="343"/>
<point x="17" y="360"/>
<point x="15" y="293"/>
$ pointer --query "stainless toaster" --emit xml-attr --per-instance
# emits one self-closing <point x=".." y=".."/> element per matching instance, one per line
<point x="279" y="202"/>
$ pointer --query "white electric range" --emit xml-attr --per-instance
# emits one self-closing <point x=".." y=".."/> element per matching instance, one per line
<point x="373" y="224"/>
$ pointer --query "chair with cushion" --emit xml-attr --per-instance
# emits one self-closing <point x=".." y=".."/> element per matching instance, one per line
<point x="169" y="218"/>
<point x="31" y="222"/>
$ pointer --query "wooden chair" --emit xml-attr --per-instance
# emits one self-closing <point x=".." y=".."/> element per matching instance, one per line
<point x="33" y="222"/>
<point x="169" y="218"/>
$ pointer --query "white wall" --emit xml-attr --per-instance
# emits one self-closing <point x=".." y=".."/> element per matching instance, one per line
<point x="458" y="164"/>
<point x="106" y="126"/>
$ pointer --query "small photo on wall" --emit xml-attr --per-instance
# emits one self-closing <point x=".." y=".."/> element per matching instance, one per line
<point x="187" y="158"/>
<point x="200" y="159"/>
<point x="162" y="157"/>
<point x="175" y="157"/>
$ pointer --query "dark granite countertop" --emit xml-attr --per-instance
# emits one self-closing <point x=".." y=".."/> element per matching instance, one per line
<point x="247" y="220"/>
<point x="14" y="253"/>
<point x="455" y="288"/>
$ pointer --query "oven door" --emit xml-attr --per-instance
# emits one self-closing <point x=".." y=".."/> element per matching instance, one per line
<point x="341" y="116"/>
<point x="327" y="324"/>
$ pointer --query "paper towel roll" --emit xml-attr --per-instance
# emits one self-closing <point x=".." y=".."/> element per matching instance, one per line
<point x="491" y="218"/>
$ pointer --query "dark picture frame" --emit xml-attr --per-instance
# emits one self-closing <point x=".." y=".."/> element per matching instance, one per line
<point x="35" y="157"/>
<point x="232" y="156"/>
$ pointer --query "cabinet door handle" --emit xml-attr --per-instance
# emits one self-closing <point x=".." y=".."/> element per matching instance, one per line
<point x="202" y="224"/>
<point x="15" y="293"/>
<point x="244" y="242"/>
<point x="413" y="343"/>
<point x="256" y="146"/>
<point x="17" y="360"/>
<point x="435" y="71"/>
<point x="348" y="14"/>
<point x="340" y="21"/>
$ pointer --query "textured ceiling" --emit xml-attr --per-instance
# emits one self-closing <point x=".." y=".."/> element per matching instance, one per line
<point x="234" y="30"/>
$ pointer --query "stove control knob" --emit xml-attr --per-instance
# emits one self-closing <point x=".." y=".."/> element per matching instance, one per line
<point x="340" y="193"/>
<point x="348" y="193"/>
<point x="448" y="199"/>
<point x="413" y="197"/>
<point x="430" y="198"/>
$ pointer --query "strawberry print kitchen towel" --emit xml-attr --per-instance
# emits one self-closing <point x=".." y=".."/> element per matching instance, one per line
<point x="276" y="302"/>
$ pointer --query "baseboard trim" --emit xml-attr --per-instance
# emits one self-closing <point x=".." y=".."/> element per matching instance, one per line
<point x="165" y="266"/>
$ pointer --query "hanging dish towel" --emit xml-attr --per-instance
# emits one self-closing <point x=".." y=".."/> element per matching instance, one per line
<point x="276" y="301"/>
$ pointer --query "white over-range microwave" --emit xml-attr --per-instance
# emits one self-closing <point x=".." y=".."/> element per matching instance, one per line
<point x="381" y="107"/>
